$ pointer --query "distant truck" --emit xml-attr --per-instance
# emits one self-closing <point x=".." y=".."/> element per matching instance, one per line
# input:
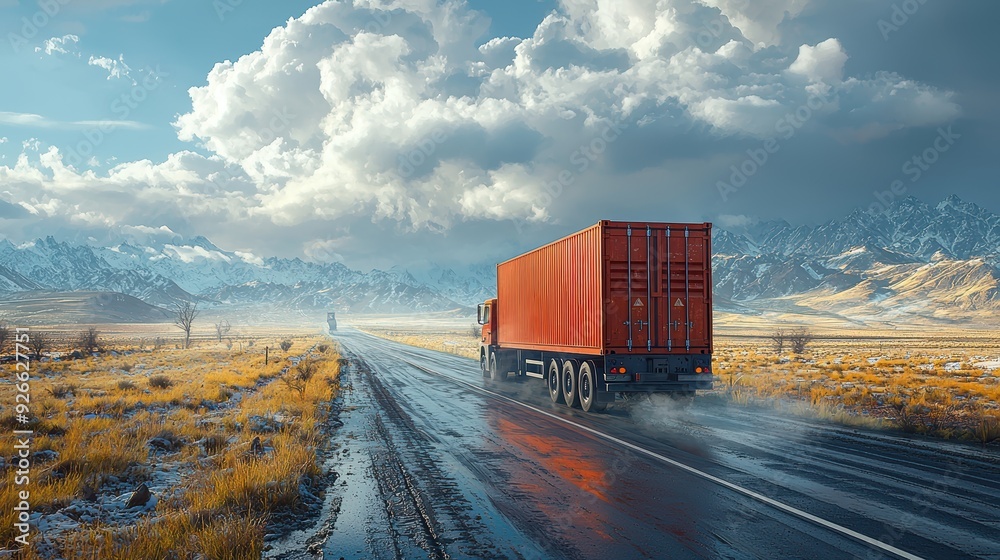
<point x="331" y="320"/>
<point x="618" y="308"/>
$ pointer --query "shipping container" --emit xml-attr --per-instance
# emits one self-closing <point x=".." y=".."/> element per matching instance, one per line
<point x="623" y="306"/>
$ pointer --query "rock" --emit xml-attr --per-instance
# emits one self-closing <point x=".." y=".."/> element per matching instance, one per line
<point x="139" y="497"/>
<point x="263" y="424"/>
<point x="44" y="456"/>
<point x="166" y="441"/>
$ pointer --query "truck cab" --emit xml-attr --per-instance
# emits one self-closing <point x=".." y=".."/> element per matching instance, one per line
<point x="487" y="317"/>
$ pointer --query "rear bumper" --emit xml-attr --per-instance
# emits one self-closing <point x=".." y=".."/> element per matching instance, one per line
<point x="658" y="373"/>
<point x="691" y="382"/>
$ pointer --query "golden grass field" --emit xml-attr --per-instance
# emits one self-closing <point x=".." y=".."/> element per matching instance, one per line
<point x="942" y="383"/>
<point x="181" y="420"/>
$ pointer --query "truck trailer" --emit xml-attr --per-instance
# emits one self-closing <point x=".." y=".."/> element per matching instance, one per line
<point x="618" y="308"/>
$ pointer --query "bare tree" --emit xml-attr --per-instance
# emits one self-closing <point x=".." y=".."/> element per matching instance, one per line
<point x="799" y="339"/>
<point x="38" y="343"/>
<point x="778" y="337"/>
<point x="222" y="329"/>
<point x="185" y="314"/>
<point x="90" y="340"/>
<point x="4" y="336"/>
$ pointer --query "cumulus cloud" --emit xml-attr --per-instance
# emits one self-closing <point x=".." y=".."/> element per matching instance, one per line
<point x="821" y="63"/>
<point x="759" y="22"/>
<point x="403" y="111"/>
<point x="339" y="109"/>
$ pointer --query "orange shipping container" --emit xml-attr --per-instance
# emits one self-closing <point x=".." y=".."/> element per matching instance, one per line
<point x="613" y="288"/>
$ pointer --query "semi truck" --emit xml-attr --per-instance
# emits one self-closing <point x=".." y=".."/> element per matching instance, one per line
<point x="619" y="308"/>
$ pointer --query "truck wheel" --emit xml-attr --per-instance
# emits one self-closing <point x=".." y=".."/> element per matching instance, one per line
<point x="484" y="365"/>
<point x="569" y="384"/>
<point x="555" y="387"/>
<point x="588" y="389"/>
<point x="495" y="373"/>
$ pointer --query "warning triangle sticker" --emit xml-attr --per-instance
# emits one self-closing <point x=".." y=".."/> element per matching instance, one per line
<point x="638" y="303"/>
<point x="679" y="303"/>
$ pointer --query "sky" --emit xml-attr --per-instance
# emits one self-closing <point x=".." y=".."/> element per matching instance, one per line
<point x="400" y="132"/>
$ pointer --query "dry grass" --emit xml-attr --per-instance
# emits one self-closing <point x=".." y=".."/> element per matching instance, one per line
<point x="920" y="384"/>
<point x="99" y="414"/>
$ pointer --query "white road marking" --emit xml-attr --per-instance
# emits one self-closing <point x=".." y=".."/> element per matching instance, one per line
<point x="711" y="478"/>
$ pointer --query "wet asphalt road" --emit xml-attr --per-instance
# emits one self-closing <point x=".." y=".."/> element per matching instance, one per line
<point x="430" y="466"/>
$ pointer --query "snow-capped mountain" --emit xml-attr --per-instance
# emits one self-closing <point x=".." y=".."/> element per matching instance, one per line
<point x="914" y="258"/>
<point x="954" y="227"/>
<point x="51" y="265"/>
<point x="195" y="269"/>
<point x="936" y="262"/>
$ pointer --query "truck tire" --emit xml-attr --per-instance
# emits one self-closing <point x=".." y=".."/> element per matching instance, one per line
<point x="552" y="380"/>
<point x="495" y="369"/>
<point x="587" y="388"/>
<point x="484" y="364"/>
<point x="569" y="383"/>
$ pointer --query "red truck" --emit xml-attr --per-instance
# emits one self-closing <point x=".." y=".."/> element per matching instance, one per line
<point x="620" y="307"/>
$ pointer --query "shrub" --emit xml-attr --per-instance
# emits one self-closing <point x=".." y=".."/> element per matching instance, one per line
<point x="160" y="382"/>
<point x="322" y="348"/>
<point x="62" y="391"/>
<point x="285" y="345"/>
<point x="126" y="385"/>
<point x="297" y="379"/>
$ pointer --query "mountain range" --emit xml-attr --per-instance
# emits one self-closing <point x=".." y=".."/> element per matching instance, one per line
<point x="940" y="263"/>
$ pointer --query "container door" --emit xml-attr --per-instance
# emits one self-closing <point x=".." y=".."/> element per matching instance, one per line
<point x="686" y="303"/>
<point x="632" y="300"/>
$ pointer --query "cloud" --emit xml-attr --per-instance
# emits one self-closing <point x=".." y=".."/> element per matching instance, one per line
<point x="67" y="44"/>
<point x="325" y="250"/>
<point x="404" y="113"/>
<point x="821" y="63"/>
<point x="734" y="221"/>
<point x="38" y="121"/>
<point x="329" y="129"/>
<point x="759" y="22"/>
<point x="9" y="211"/>
<point x="115" y="68"/>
